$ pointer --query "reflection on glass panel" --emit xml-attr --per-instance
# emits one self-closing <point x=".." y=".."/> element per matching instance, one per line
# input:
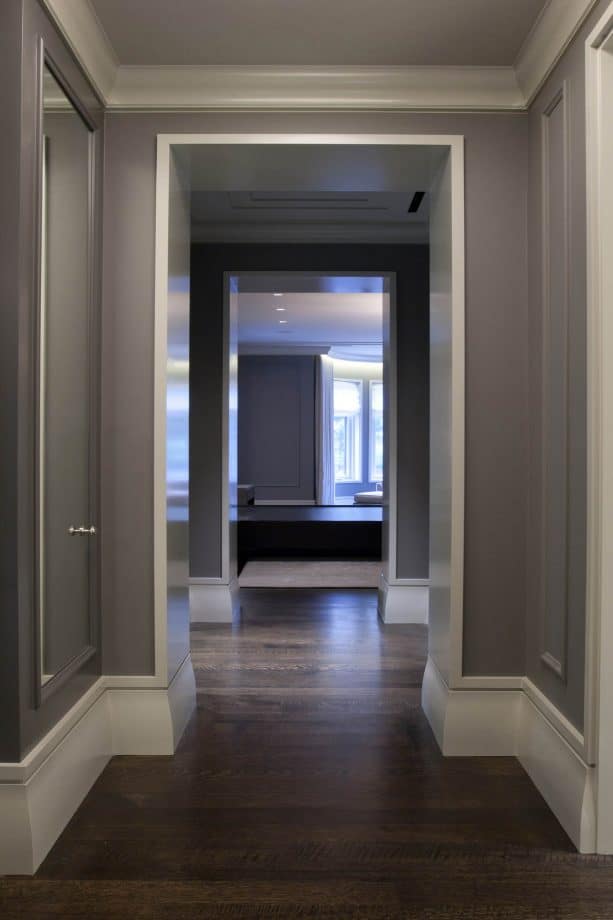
<point x="64" y="536"/>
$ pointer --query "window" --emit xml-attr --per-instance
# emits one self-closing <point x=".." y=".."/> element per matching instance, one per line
<point x="375" y="447"/>
<point x="347" y="430"/>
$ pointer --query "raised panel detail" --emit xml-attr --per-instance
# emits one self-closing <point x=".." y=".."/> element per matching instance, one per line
<point x="276" y="424"/>
<point x="555" y="466"/>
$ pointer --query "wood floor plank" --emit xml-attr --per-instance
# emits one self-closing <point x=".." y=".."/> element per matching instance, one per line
<point x="308" y="785"/>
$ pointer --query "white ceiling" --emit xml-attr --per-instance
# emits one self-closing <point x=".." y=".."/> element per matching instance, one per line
<point x="313" y="318"/>
<point x="317" y="32"/>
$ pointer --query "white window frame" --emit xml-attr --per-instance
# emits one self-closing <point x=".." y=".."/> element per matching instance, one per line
<point x="357" y="434"/>
<point x="372" y="477"/>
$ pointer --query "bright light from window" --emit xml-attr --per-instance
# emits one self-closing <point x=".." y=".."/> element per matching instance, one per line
<point x="347" y="430"/>
<point x="375" y="432"/>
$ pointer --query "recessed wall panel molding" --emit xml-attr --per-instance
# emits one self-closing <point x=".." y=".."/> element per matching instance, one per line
<point x="555" y="434"/>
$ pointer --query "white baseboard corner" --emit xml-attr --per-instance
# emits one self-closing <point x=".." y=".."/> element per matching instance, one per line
<point x="491" y="723"/>
<point x="564" y="780"/>
<point x="213" y="603"/>
<point x="398" y="604"/>
<point x="39" y="796"/>
<point x="470" y="723"/>
<point x="151" y="721"/>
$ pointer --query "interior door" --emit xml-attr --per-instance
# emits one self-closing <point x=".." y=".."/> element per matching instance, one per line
<point x="66" y="531"/>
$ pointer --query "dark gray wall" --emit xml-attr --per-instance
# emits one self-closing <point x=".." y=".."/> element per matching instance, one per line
<point x="10" y="149"/>
<point x="276" y="425"/>
<point x="22" y="723"/>
<point x="410" y="265"/>
<point x="496" y="369"/>
<point x="556" y="532"/>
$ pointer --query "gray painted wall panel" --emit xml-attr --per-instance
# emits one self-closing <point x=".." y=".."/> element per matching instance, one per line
<point x="496" y="383"/>
<point x="564" y="581"/>
<point x="24" y="725"/>
<point x="276" y="425"/>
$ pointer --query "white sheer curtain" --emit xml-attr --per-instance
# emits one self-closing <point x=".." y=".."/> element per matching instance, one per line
<point x="324" y="441"/>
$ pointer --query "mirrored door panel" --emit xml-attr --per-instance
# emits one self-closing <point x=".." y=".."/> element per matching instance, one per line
<point x="66" y="531"/>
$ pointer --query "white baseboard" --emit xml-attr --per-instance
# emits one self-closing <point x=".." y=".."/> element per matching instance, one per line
<point x="407" y="603"/>
<point x="41" y="794"/>
<point x="151" y="721"/>
<point x="488" y="722"/>
<point x="213" y="603"/>
<point x="470" y="723"/>
<point x="564" y="780"/>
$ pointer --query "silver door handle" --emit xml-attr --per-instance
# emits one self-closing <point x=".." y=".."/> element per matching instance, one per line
<point x="81" y="531"/>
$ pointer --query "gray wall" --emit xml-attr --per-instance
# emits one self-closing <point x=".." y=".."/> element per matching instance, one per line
<point x="22" y="723"/>
<point x="10" y="106"/>
<point x="410" y="265"/>
<point x="276" y="425"/>
<point x="556" y="532"/>
<point x="496" y="372"/>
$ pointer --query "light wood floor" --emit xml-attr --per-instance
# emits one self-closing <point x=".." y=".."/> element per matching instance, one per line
<point x="308" y="785"/>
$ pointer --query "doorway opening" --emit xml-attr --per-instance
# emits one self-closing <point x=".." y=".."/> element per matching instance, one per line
<point x="311" y="423"/>
<point x="279" y="165"/>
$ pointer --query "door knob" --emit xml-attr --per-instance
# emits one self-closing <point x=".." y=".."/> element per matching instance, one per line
<point x="81" y="531"/>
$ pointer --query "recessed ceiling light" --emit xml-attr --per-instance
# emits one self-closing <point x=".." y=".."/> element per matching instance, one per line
<point x="277" y="295"/>
<point x="283" y="321"/>
<point x="280" y="309"/>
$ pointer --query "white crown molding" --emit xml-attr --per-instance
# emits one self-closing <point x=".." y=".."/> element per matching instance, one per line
<point x="549" y="38"/>
<point x="316" y="88"/>
<point x="89" y="42"/>
<point x="394" y="89"/>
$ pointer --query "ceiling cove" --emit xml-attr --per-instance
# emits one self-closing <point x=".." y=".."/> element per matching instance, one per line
<point x="228" y="87"/>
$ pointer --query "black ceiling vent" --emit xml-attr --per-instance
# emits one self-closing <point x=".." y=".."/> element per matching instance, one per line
<point x="418" y="197"/>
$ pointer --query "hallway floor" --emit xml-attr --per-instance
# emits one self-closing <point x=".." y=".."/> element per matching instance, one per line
<point x="309" y="785"/>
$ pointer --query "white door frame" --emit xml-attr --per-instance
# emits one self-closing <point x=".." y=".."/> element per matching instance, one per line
<point x="599" y="599"/>
<point x="455" y="145"/>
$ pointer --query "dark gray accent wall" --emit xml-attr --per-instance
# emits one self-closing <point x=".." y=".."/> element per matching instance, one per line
<point x="410" y="264"/>
<point x="276" y="425"/>
<point x="497" y="410"/>
<point x="556" y="535"/>
<point x="10" y="150"/>
<point x="22" y="23"/>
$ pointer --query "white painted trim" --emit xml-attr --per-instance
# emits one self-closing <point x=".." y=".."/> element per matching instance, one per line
<point x="566" y="729"/>
<point x="470" y="723"/>
<point x="507" y="723"/>
<point x="458" y="412"/>
<point x="334" y="88"/>
<point x="564" y="780"/>
<point x="599" y="593"/>
<point x="88" y="41"/>
<point x="314" y="88"/>
<point x="39" y="795"/>
<point x="406" y="603"/>
<point x="36" y="811"/>
<point x="490" y="682"/>
<point x="217" y="603"/>
<point x="549" y="38"/>
<point x="151" y="721"/>
<point x="211" y="602"/>
<point x="160" y="563"/>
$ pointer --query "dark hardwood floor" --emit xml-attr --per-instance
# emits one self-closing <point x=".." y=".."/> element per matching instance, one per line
<point x="309" y="785"/>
